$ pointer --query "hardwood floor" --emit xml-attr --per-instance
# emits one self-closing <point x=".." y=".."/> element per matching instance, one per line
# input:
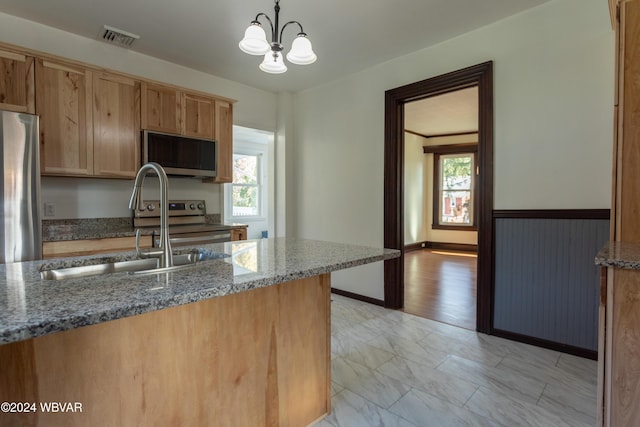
<point x="441" y="286"/>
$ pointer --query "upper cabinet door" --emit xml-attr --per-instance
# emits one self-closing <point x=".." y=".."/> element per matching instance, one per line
<point x="224" y="136"/>
<point x="63" y="101"/>
<point x="116" y="126"/>
<point x="16" y="83"/>
<point x="161" y="109"/>
<point x="197" y="113"/>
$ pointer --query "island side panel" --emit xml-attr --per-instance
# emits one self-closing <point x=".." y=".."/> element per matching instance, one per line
<point x="624" y="361"/>
<point x="158" y="368"/>
<point x="244" y="335"/>
<point x="18" y="382"/>
<point x="260" y="357"/>
<point x="304" y="375"/>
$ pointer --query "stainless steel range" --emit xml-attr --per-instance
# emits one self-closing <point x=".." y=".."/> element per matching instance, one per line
<point x="187" y="223"/>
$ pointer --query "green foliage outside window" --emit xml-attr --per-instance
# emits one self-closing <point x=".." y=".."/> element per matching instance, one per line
<point x="456" y="180"/>
<point x="456" y="170"/>
<point x="246" y="181"/>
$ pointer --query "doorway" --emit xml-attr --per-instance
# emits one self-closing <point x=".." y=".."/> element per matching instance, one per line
<point x="395" y="99"/>
<point x="440" y="207"/>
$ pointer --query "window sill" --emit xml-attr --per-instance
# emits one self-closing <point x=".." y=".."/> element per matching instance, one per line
<point x="242" y="219"/>
<point x="455" y="227"/>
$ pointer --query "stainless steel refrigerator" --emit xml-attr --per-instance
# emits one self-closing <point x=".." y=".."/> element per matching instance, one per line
<point x="20" y="220"/>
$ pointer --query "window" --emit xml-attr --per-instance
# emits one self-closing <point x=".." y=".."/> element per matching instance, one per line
<point x="247" y="199"/>
<point x="246" y="186"/>
<point x="456" y="189"/>
<point x="454" y="182"/>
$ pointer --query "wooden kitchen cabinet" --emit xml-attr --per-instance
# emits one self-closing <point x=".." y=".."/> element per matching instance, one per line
<point x="619" y="331"/>
<point x="198" y="113"/>
<point x="172" y="110"/>
<point x="626" y="173"/>
<point x="224" y="136"/>
<point x="17" y="83"/>
<point x="238" y="234"/>
<point x="89" y="121"/>
<point x="90" y="118"/>
<point x="161" y="108"/>
<point x="116" y="126"/>
<point x="63" y="102"/>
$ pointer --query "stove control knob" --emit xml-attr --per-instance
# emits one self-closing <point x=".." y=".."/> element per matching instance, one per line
<point x="151" y="207"/>
<point x="192" y="206"/>
<point x="200" y="205"/>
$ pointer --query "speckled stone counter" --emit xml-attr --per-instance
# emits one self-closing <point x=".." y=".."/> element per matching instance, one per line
<point x="619" y="255"/>
<point x="32" y="307"/>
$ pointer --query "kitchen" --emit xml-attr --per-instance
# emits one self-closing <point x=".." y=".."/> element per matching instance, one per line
<point x="571" y="63"/>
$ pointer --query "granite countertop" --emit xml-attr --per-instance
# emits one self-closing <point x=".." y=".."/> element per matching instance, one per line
<point x="32" y="307"/>
<point x="104" y="228"/>
<point x="620" y="255"/>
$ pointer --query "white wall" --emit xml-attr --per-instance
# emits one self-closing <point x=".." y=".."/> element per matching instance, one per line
<point x="109" y="198"/>
<point x="93" y="198"/>
<point x="285" y="167"/>
<point x="416" y="181"/>
<point x="553" y="78"/>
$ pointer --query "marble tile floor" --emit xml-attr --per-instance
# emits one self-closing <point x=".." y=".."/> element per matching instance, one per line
<point x="391" y="368"/>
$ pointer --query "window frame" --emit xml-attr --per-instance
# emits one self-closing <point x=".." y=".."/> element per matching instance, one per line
<point x="456" y="149"/>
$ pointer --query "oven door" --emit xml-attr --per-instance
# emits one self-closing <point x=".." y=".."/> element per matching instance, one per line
<point x="194" y="238"/>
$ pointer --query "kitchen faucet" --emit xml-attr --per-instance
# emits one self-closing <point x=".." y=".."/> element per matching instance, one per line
<point x="137" y="202"/>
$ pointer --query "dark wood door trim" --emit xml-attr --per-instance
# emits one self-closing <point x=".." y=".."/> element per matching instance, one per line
<point x="554" y="213"/>
<point x="480" y="75"/>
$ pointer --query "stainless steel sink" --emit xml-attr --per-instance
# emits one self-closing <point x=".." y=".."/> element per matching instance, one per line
<point x="135" y="266"/>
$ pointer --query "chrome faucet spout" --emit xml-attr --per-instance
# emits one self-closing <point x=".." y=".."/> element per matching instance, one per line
<point x="136" y="201"/>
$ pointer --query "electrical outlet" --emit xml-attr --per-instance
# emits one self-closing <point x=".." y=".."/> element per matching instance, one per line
<point x="49" y="209"/>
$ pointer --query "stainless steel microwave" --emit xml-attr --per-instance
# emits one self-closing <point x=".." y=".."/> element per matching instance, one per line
<point x="180" y="155"/>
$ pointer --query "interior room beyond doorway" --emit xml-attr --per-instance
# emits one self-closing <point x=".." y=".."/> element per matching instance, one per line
<point x="440" y="207"/>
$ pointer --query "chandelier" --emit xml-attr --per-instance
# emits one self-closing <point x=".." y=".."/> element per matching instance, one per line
<point x="255" y="43"/>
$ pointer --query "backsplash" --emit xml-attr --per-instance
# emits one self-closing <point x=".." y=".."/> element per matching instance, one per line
<point x="73" y="198"/>
<point x="86" y="228"/>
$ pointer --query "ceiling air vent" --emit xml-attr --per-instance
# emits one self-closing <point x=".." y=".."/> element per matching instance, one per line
<point x="117" y="37"/>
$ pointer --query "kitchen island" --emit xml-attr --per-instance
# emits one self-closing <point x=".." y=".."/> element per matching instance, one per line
<point x="618" y="334"/>
<point x="240" y="340"/>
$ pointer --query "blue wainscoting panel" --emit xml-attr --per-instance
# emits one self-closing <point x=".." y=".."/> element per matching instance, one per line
<point x="546" y="283"/>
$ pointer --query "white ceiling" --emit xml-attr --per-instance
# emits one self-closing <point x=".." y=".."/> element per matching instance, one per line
<point x="347" y="36"/>
<point x="452" y="112"/>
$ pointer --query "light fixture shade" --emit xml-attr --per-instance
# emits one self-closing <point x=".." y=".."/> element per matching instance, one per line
<point x="255" y="40"/>
<point x="301" y="52"/>
<point x="273" y="63"/>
